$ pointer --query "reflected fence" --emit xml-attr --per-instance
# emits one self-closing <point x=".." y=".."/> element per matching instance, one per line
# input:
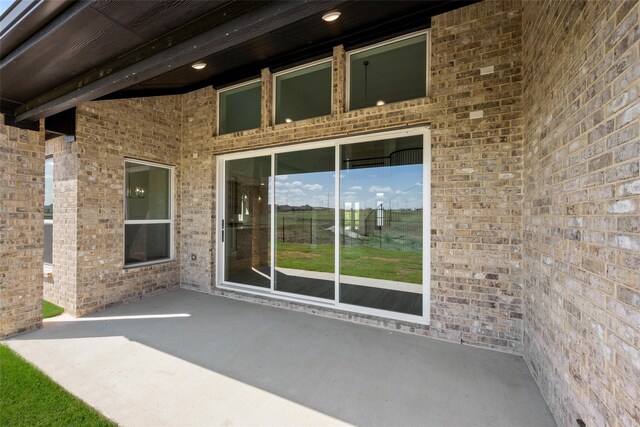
<point x="401" y="235"/>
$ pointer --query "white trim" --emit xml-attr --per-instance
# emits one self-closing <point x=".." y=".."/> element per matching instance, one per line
<point x="426" y="225"/>
<point x="272" y="232"/>
<point x="428" y="68"/>
<point x="228" y="88"/>
<point x="347" y="64"/>
<point x="147" y="221"/>
<point x="170" y="221"/>
<point x="274" y="87"/>
<point x="336" y="222"/>
<point x="220" y="244"/>
<point x="425" y="131"/>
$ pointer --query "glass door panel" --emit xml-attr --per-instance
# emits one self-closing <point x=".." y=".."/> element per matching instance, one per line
<point x="381" y="199"/>
<point x="304" y="223"/>
<point x="248" y="221"/>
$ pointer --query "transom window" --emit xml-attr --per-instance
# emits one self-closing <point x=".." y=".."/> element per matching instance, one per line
<point x="239" y="107"/>
<point x="148" y="213"/>
<point x="303" y="92"/>
<point x="388" y="72"/>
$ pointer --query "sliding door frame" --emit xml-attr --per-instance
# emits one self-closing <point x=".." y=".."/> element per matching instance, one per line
<point x="425" y="319"/>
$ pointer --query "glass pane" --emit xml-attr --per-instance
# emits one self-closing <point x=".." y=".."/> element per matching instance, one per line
<point x="240" y="108"/>
<point x="48" y="243"/>
<point x="390" y="73"/>
<point x="381" y="224"/>
<point x="146" y="242"/>
<point x="305" y="232"/>
<point x="304" y="93"/>
<point x="48" y="188"/>
<point x="248" y="222"/>
<point x="148" y="190"/>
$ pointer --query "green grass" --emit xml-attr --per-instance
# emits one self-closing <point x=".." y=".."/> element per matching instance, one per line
<point x="50" y="310"/>
<point x="361" y="261"/>
<point x="30" y="398"/>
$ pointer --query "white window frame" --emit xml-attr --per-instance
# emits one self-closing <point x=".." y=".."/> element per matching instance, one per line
<point x="228" y="88"/>
<point x="427" y="34"/>
<point x="169" y="221"/>
<point x="293" y="70"/>
<point x="271" y="292"/>
<point x="49" y="266"/>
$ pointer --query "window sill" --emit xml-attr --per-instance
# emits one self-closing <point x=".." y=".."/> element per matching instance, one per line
<point x="148" y="263"/>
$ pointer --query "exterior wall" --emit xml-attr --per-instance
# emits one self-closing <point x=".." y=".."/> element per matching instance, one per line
<point x="198" y="191"/>
<point x="21" y="229"/>
<point x="477" y="172"/>
<point x="582" y="208"/>
<point x="108" y="132"/>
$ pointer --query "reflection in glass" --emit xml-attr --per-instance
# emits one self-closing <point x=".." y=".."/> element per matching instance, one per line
<point x="248" y="221"/>
<point x="48" y="243"/>
<point x="48" y="210"/>
<point x="381" y="224"/>
<point x="305" y="232"/>
<point x="48" y="188"/>
<point x="304" y="93"/>
<point x="240" y="108"/>
<point x="148" y="190"/>
<point x="403" y="62"/>
<point x="146" y="242"/>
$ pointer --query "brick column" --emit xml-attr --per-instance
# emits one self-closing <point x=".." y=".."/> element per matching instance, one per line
<point x="21" y="229"/>
<point x="267" y="99"/>
<point x="339" y="81"/>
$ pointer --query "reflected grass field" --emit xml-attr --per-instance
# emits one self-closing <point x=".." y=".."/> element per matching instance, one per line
<point x="361" y="261"/>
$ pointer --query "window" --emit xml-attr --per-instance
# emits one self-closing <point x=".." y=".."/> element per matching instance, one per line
<point x="239" y="107"/>
<point x="148" y="213"/>
<point x="388" y="72"/>
<point x="48" y="211"/>
<point x="303" y="93"/>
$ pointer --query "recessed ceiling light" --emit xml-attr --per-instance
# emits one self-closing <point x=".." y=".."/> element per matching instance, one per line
<point x="380" y="102"/>
<point x="288" y="120"/>
<point x="198" y="65"/>
<point x="331" y="16"/>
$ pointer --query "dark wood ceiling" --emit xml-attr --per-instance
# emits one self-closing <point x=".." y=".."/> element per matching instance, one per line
<point x="75" y="54"/>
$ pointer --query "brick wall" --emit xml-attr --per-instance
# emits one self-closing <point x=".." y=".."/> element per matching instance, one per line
<point x="108" y="132"/>
<point x="198" y="191"/>
<point x="21" y="228"/>
<point x="477" y="171"/>
<point x="582" y="208"/>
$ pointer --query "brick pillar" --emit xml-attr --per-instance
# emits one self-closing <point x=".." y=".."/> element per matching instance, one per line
<point x="267" y="99"/>
<point x="65" y="223"/>
<point x="339" y="80"/>
<point x="21" y="229"/>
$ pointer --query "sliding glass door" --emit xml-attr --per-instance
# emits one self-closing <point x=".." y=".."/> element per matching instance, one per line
<point x="247" y="222"/>
<point x="338" y="222"/>
<point x="381" y="224"/>
<point x="304" y="225"/>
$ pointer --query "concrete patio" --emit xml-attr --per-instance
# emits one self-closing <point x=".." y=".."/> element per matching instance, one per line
<point x="189" y="359"/>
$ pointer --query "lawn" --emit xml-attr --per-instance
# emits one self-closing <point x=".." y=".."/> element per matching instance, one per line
<point x="361" y="261"/>
<point x="50" y="310"/>
<point x="30" y="398"/>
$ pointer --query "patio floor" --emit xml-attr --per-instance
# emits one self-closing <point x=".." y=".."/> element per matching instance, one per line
<point x="190" y="359"/>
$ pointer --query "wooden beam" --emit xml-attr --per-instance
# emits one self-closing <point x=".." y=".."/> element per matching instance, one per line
<point x="165" y="55"/>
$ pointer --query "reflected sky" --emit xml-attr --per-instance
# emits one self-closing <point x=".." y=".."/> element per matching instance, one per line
<point x="399" y="186"/>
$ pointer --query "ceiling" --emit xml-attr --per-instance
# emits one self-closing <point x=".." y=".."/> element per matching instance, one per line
<point x="77" y="51"/>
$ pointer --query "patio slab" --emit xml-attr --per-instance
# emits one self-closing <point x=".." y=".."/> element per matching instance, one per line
<point x="190" y="359"/>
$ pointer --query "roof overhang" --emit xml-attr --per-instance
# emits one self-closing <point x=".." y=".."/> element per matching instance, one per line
<point x="57" y="55"/>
